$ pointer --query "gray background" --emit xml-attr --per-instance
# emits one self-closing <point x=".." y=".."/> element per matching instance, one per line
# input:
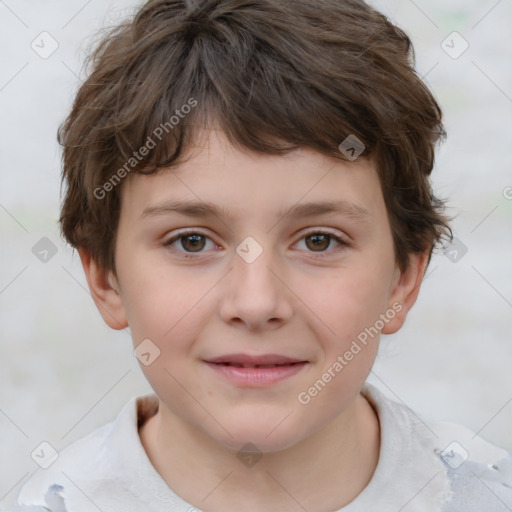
<point x="64" y="372"/>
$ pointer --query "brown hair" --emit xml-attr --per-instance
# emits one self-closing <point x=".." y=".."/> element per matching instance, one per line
<point x="273" y="75"/>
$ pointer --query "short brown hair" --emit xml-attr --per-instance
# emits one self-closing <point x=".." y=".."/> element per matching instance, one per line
<point x="274" y="76"/>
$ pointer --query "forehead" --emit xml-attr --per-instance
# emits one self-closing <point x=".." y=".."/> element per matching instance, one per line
<point x="219" y="179"/>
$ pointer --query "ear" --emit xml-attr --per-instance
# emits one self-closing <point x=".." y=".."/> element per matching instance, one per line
<point x="103" y="286"/>
<point x="405" y="288"/>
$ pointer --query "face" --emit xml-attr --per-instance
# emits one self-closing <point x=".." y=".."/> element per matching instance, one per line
<point x="263" y="275"/>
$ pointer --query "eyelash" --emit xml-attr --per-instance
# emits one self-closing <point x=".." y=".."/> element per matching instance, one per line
<point x="183" y="234"/>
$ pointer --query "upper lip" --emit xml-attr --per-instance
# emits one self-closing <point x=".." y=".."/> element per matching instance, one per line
<point x="247" y="359"/>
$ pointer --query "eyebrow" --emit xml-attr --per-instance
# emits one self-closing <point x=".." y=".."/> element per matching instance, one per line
<point x="200" y="209"/>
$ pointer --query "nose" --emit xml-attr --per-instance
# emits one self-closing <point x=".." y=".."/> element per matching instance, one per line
<point x="255" y="292"/>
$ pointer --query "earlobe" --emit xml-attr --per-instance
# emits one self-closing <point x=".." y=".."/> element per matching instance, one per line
<point x="406" y="288"/>
<point x="104" y="291"/>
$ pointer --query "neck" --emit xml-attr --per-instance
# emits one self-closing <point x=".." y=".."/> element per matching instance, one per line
<point x="324" y="472"/>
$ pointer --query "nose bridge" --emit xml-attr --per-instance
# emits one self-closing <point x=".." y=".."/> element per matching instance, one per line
<point x="253" y="261"/>
<point x="252" y="266"/>
<point x="256" y="294"/>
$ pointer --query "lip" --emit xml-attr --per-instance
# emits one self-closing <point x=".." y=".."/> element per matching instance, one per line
<point x="258" y="370"/>
<point x="254" y="360"/>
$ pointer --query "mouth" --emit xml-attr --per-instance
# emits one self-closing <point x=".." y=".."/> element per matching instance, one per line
<point x="264" y="366"/>
<point x="255" y="371"/>
<point x="248" y="360"/>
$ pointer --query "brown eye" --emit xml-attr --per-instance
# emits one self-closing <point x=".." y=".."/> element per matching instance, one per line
<point x="193" y="243"/>
<point x="319" y="242"/>
<point x="188" y="242"/>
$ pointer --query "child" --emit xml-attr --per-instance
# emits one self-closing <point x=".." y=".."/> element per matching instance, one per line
<point x="295" y="141"/>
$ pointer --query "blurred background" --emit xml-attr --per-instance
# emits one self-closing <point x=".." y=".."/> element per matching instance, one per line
<point x="64" y="372"/>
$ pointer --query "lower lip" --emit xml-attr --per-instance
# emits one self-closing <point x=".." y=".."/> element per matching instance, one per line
<point x="254" y="377"/>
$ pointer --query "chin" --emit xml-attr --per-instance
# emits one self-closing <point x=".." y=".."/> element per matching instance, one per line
<point x="263" y="435"/>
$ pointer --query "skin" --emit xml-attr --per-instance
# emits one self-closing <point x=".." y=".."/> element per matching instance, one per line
<point x="295" y="299"/>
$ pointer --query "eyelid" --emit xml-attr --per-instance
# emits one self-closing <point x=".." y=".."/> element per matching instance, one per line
<point x="326" y="231"/>
<point x="194" y="231"/>
<point x="189" y="231"/>
<point x="342" y="239"/>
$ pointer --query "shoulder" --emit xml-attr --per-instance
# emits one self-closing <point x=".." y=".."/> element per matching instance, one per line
<point x="46" y="488"/>
<point x="84" y="469"/>
<point x="472" y="474"/>
<point x="479" y="472"/>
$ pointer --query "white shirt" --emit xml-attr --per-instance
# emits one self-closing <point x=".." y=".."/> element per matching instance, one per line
<point x="422" y="467"/>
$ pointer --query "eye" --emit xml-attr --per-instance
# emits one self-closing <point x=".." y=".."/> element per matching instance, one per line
<point x="318" y="241"/>
<point x="190" y="242"/>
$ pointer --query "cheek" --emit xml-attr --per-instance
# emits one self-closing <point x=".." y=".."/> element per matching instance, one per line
<point x="348" y="300"/>
<point x="159" y="300"/>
